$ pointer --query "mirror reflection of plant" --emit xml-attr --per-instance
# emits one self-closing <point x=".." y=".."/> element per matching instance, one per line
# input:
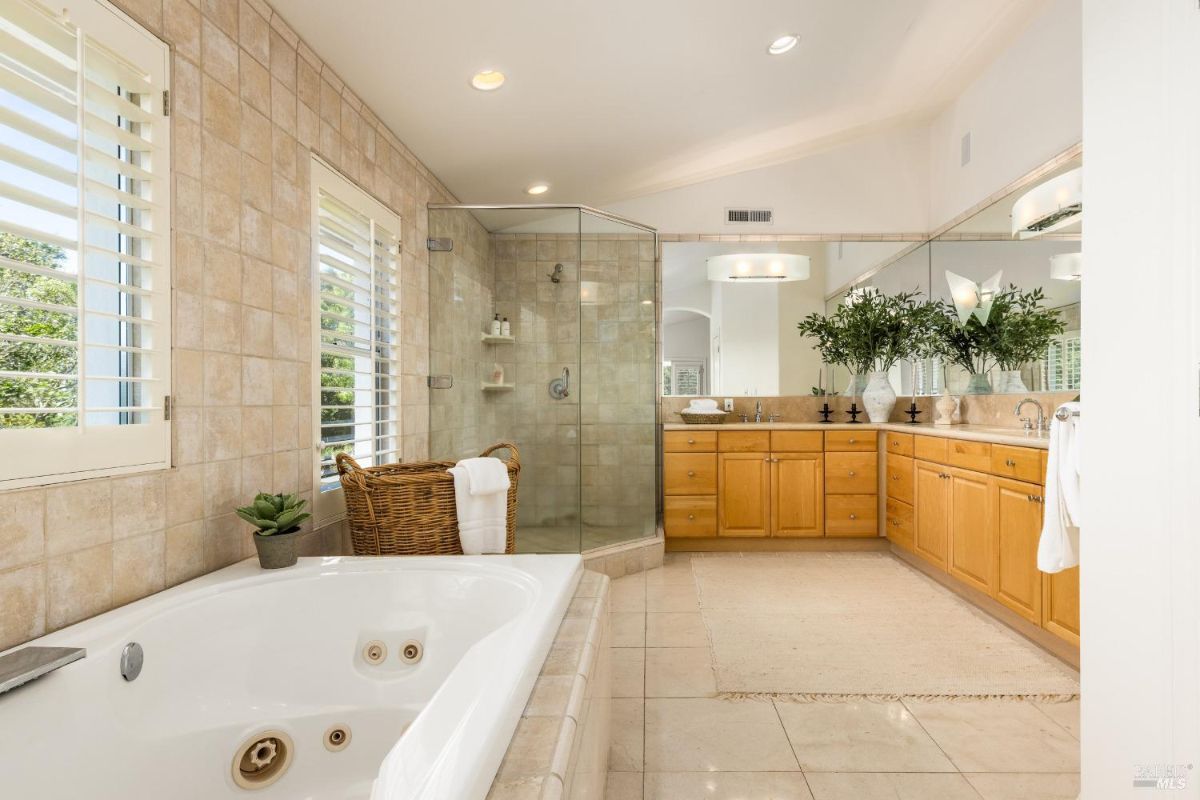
<point x="870" y="334"/>
<point x="1018" y="331"/>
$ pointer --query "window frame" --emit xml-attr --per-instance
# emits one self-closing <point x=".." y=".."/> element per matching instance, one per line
<point x="329" y="506"/>
<point x="96" y="450"/>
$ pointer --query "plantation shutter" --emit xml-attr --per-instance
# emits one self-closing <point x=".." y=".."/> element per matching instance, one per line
<point x="356" y="251"/>
<point x="84" y="243"/>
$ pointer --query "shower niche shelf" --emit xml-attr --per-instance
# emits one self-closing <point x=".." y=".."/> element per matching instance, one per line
<point x="488" y="338"/>
<point x="498" y="387"/>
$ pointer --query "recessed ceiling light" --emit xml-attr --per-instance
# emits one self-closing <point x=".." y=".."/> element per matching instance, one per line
<point x="538" y="188"/>
<point x="487" y="80"/>
<point x="783" y="44"/>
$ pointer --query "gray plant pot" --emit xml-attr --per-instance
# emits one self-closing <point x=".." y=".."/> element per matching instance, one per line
<point x="277" y="550"/>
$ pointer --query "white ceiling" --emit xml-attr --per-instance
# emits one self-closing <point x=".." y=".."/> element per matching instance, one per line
<point x="612" y="100"/>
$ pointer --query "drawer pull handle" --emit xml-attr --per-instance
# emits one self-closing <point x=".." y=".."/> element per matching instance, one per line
<point x="1008" y="462"/>
<point x="896" y="523"/>
<point x="854" y="516"/>
<point x="691" y="473"/>
<point x="1036" y="498"/>
<point x="895" y="477"/>
<point x="691" y="516"/>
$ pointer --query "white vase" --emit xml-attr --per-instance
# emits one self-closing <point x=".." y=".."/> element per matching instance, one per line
<point x="946" y="407"/>
<point x="1011" y="382"/>
<point x="879" y="397"/>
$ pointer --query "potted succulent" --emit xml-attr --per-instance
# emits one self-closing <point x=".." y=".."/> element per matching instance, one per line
<point x="869" y="335"/>
<point x="278" y="518"/>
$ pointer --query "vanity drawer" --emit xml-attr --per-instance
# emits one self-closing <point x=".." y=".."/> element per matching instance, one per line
<point x="690" y="516"/>
<point x="689" y="441"/>
<point x="900" y="523"/>
<point x="689" y="473"/>
<point x="851" y="441"/>
<point x="1021" y="463"/>
<point x="975" y="456"/>
<point x="900" y="444"/>
<point x="851" y="473"/>
<point x="899" y="478"/>
<point x="744" y="441"/>
<point x="851" y="515"/>
<point x="930" y="448"/>
<point x="796" y="441"/>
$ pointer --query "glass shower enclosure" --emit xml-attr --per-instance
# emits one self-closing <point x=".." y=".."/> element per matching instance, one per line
<point x="573" y="384"/>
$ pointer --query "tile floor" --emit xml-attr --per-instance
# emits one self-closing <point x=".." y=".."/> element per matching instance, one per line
<point x="673" y="738"/>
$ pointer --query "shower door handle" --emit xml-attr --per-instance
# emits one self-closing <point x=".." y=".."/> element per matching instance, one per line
<point x="560" y="388"/>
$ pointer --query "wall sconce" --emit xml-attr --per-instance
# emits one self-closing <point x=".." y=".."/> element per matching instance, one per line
<point x="971" y="297"/>
<point x="769" y="267"/>
<point x="1049" y="206"/>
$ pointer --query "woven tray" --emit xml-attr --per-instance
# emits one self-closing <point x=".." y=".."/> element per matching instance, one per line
<point x="697" y="418"/>
<point x="409" y="510"/>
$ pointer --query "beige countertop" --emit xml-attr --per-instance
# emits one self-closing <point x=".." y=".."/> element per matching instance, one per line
<point x="978" y="433"/>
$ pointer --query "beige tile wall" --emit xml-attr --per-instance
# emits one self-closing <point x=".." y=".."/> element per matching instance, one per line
<point x="250" y="101"/>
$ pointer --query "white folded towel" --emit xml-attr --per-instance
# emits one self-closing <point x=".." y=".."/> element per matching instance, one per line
<point x="1058" y="547"/>
<point x="702" y="404"/>
<point x="481" y="500"/>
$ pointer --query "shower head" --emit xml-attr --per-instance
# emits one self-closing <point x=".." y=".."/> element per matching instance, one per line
<point x="556" y="276"/>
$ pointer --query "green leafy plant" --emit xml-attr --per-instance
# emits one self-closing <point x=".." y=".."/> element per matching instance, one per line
<point x="870" y="332"/>
<point x="1018" y="330"/>
<point x="274" y="513"/>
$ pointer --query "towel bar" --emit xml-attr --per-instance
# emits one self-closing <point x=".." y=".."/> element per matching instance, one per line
<point x="1063" y="414"/>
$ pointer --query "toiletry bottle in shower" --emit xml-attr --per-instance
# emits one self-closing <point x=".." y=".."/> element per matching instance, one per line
<point x="505" y="328"/>
<point x="496" y="325"/>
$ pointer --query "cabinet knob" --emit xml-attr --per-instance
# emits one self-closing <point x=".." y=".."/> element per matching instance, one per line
<point x="853" y="441"/>
<point x="896" y="523"/>
<point x="691" y="516"/>
<point x="1008" y="462"/>
<point x="895" y="477"/>
<point x="691" y="473"/>
<point x="691" y="441"/>
<point x="854" y="516"/>
<point x="851" y="473"/>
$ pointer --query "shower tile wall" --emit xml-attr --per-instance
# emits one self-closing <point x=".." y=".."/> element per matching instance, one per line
<point x="463" y="420"/>
<point x="545" y="322"/>
<point x="619" y="386"/>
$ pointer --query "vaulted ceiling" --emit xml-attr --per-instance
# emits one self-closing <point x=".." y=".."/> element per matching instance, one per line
<point x="611" y="100"/>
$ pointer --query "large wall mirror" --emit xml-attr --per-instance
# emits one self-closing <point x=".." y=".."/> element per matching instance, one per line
<point x="730" y="311"/>
<point x="983" y="254"/>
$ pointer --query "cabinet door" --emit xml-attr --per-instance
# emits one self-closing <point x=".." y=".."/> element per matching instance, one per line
<point x="932" y="510"/>
<point x="972" y="556"/>
<point x="797" y="494"/>
<point x="743" y="494"/>
<point x="1060" y="604"/>
<point x="1018" y="526"/>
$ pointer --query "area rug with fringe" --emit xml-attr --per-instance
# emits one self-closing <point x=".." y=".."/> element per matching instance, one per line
<point x="818" y="626"/>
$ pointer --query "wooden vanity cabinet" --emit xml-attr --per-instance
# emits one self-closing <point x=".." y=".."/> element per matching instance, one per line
<point x="1060" y="604"/>
<point x="797" y="494"/>
<point x="1018" y="527"/>
<point x="972" y="529"/>
<point x="743" y="494"/>
<point x="931" y="520"/>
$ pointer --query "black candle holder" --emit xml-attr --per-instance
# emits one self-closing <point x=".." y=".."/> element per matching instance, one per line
<point x="912" y="412"/>
<point x="854" y="412"/>
<point x="825" y="412"/>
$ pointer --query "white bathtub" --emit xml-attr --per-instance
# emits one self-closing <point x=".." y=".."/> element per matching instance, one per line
<point x="242" y="651"/>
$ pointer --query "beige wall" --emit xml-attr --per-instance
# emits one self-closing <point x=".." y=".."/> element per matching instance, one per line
<point x="249" y="103"/>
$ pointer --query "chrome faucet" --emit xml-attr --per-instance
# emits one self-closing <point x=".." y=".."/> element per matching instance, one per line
<point x="1026" y="421"/>
<point x="758" y="410"/>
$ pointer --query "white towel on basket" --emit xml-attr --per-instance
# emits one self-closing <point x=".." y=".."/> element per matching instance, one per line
<point x="1058" y="547"/>
<point x="481" y="500"/>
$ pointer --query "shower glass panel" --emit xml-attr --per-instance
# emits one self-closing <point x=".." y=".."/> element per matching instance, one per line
<point x="572" y="386"/>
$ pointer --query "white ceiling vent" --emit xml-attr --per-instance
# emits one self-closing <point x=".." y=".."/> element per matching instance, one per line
<point x="749" y="216"/>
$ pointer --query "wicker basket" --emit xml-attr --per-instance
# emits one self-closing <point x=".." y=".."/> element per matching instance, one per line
<point x="409" y="510"/>
<point x="703" y="418"/>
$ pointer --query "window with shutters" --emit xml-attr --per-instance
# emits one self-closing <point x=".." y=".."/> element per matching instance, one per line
<point x="356" y="341"/>
<point x="85" y="226"/>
